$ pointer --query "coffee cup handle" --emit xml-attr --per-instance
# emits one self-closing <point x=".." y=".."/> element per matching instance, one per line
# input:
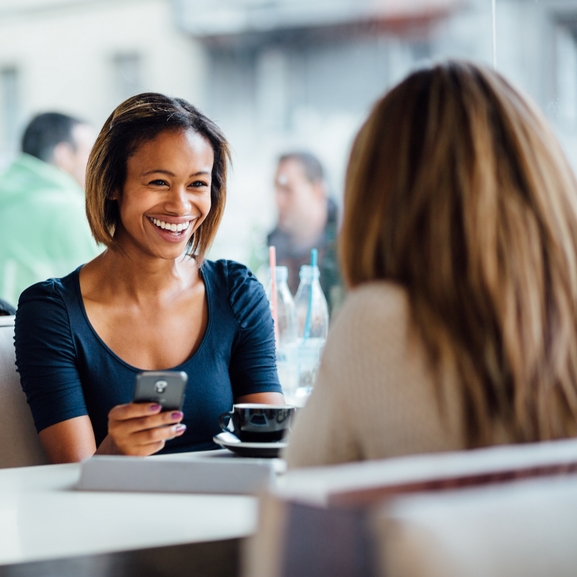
<point x="224" y="420"/>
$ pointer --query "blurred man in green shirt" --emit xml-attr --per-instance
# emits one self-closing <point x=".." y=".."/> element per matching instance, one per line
<point x="44" y="230"/>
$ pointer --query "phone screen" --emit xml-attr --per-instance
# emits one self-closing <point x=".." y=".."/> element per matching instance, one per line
<point x="163" y="387"/>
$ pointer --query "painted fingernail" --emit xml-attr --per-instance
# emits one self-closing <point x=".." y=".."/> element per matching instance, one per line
<point x="176" y="415"/>
<point x="180" y="428"/>
<point x="155" y="408"/>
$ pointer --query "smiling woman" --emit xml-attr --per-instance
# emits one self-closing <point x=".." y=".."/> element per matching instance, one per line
<point x="155" y="194"/>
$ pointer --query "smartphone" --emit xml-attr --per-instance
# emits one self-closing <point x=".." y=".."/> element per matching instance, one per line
<point x="163" y="387"/>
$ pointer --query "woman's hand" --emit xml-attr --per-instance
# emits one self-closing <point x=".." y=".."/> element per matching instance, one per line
<point x="140" y="429"/>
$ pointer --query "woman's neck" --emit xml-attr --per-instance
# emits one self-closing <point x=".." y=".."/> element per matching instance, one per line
<point x="115" y="273"/>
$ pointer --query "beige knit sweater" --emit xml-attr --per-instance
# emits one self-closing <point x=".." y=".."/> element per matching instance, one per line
<point x="374" y="397"/>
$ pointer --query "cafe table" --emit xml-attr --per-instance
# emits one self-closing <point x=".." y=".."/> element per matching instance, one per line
<point x="47" y="527"/>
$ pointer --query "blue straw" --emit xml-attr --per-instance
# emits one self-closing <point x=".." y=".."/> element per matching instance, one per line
<point x="314" y="259"/>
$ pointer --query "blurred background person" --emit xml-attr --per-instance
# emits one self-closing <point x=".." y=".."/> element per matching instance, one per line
<point x="307" y="218"/>
<point x="45" y="232"/>
<point x="459" y="245"/>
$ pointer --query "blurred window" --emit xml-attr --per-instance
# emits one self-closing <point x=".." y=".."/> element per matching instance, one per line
<point x="566" y="48"/>
<point x="10" y="107"/>
<point x="127" y="75"/>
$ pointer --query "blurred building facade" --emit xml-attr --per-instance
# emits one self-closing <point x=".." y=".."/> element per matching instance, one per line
<point x="276" y="75"/>
<point x="84" y="57"/>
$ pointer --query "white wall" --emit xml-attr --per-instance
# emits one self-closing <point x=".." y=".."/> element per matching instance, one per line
<point x="64" y="52"/>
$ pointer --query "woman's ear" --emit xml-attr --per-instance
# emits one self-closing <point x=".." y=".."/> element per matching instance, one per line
<point x="115" y="195"/>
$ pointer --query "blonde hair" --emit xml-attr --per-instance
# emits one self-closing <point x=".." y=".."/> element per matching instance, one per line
<point x="137" y="120"/>
<point x="458" y="190"/>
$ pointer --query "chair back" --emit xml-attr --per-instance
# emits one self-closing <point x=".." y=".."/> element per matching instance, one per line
<point x="19" y="443"/>
<point x="345" y="519"/>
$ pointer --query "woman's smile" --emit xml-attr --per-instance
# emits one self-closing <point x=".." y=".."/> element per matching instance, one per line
<point x="171" y="231"/>
<point x="172" y="227"/>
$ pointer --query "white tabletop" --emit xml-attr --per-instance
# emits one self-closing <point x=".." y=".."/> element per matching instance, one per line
<point x="43" y="517"/>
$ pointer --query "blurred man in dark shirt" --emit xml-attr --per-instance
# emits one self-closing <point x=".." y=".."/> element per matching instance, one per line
<point x="307" y="218"/>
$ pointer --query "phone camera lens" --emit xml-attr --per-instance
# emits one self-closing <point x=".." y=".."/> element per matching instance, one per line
<point x="159" y="386"/>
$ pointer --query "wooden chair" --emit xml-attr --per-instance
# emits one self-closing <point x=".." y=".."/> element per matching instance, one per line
<point x="19" y="443"/>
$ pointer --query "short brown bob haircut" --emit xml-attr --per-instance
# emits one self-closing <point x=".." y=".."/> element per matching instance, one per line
<point x="137" y="120"/>
<point x="458" y="191"/>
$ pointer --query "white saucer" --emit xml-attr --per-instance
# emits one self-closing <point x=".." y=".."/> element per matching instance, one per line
<point x="234" y="444"/>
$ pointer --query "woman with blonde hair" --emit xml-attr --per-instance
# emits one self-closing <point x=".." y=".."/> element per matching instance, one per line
<point x="459" y="245"/>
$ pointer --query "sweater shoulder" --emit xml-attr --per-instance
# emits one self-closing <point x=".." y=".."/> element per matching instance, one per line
<point x="374" y="304"/>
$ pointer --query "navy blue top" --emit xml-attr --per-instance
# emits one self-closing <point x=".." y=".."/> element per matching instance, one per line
<point x="66" y="370"/>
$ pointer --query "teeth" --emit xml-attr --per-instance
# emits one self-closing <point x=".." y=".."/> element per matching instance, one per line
<point x="168" y="226"/>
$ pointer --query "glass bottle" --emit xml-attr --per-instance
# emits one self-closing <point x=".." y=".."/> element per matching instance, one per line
<point x="312" y="327"/>
<point x="286" y="333"/>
